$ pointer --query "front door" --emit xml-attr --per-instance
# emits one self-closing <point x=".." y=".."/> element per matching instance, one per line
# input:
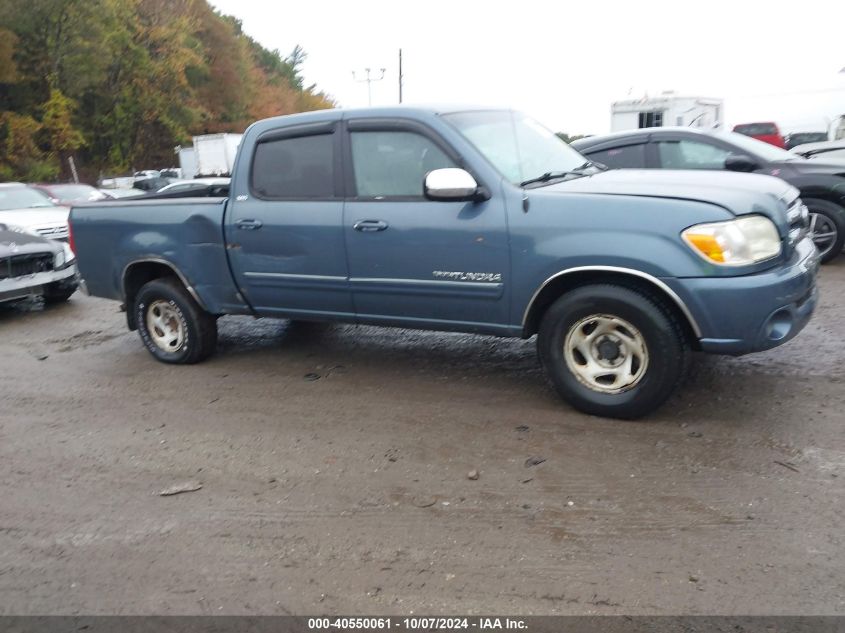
<point x="415" y="261"/>
<point x="285" y="230"/>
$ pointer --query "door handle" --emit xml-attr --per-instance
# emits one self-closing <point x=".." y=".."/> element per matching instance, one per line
<point x="369" y="226"/>
<point x="249" y="225"/>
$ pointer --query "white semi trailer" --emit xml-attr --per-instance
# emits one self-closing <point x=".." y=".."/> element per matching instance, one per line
<point x="211" y="155"/>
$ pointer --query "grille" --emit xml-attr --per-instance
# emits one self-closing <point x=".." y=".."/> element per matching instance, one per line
<point x="58" y="232"/>
<point x="20" y="265"/>
<point x="799" y="221"/>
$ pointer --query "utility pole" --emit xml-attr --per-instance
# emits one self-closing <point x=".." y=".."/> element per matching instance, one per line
<point x="369" y="80"/>
<point x="73" y="169"/>
<point x="400" y="75"/>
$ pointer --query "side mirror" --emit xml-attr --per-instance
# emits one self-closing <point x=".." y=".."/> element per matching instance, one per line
<point x="740" y="162"/>
<point x="450" y="184"/>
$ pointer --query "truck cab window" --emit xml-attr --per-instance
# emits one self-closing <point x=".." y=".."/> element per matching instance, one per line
<point x="300" y="167"/>
<point x="394" y="164"/>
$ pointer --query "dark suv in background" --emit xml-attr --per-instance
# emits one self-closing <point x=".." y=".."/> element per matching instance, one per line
<point x="802" y="138"/>
<point x="822" y="185"/>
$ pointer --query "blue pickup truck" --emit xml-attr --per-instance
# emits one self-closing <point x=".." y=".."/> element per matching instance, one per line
<point x="471" y="220"/>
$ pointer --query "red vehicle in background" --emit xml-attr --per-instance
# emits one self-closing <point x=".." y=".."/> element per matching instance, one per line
<point x="766" y="131"/>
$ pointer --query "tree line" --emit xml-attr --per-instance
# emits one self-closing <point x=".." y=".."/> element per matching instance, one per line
<point x="117" y="84"/>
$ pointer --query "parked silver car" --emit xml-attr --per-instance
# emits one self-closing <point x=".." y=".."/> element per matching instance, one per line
<point x="827" y="150"/>
<point x="32" y="210"/>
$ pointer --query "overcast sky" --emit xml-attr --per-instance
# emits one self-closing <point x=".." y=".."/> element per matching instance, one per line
<point x="566" y="61"/>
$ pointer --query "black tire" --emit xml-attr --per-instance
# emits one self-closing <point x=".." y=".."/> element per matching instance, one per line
<point x="57" y="293"/>
<point x="834" y="217"/>
<point x="197" y="328"/>
<point x="661" y="335"/>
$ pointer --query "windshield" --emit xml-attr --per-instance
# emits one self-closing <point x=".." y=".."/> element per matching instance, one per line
<point x="76" y="192"/>
<point x="125" y="193"/>
<point x="758" y="149"/>
<point x="756" y="129"/>
<point x="516" y="145"/>
<point x="22" y="198"/>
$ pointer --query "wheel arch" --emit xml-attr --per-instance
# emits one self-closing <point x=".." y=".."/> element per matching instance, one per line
<point x="571" y="278"/>
<point x="141" y="271"/>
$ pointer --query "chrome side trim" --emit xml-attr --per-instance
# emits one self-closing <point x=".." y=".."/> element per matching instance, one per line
<point x="427" y="282"/>
<point x="377" y="280"/>
<point x="295" y="276"/>
<point x="627" y="271"/>
<point x="160" y="260"/>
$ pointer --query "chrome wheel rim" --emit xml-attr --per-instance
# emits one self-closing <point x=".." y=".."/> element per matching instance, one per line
<point x="605" y="353"/>
<point x="165" y="326"/>
<point x="823" y="232"/>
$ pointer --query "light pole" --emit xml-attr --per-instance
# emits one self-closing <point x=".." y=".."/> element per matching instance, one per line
<point x="401" y="76"/>
<point x="369" y="80"/>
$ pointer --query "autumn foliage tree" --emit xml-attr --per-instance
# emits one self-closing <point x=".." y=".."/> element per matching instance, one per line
<point x="118" y="83"/>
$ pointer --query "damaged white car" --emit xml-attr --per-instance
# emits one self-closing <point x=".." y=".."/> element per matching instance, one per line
<point x="31" y="266"/>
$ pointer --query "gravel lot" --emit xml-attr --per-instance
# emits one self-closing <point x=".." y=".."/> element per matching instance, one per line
<point x="334" y="466"/>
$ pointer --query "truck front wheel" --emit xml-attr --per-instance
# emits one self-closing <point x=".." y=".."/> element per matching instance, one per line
<point x="612" y="351"/>
<point x="173" y="327"/>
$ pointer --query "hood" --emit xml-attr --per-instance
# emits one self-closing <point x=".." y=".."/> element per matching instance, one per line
<point x="814" y="166"/>
<point x="14" y="241"/>
<point x="738" y="193"/>
<point x="29" y="218"/>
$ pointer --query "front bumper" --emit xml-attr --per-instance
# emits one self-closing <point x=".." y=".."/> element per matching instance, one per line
<point x="32" y="285"/>
<point x="740" y="315"/>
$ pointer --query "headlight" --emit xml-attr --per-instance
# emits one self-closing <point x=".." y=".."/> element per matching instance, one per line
<point x="746" y="240"/>
<point x="64" y="257"/>
<point x="69" y="254"/>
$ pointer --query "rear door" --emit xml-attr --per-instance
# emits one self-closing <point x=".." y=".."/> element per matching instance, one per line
<point x="414" y="260"/>
<point x="284" y="230"/>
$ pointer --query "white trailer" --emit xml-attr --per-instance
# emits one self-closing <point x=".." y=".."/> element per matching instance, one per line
<point x="187" y="163"/>
<point x="215" y="154"/>
<point x="668" y="109"/>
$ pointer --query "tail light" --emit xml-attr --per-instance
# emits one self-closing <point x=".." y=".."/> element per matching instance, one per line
<point x="70" y="235"/>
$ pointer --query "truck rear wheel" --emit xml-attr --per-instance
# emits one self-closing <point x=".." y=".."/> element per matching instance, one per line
<point x="173" y="327"/>
<point x="612" y="351"/>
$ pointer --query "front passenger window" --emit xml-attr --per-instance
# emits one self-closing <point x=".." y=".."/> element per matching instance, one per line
<point x="394" y="164"/>
<point x="691" y="155"/>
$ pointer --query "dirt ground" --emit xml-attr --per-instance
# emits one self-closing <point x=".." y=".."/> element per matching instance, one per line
<point x="334" y="466"/>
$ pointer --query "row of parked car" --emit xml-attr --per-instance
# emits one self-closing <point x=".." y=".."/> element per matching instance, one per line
<point x="769" y="132"/>
<point x="35" y="258"/>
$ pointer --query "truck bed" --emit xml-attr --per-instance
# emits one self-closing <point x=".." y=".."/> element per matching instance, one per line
<point x="185" y="234"/>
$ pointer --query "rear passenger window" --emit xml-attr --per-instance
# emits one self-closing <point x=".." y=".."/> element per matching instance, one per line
<point x="301" y="167"/>
<point x="629" y="156"/>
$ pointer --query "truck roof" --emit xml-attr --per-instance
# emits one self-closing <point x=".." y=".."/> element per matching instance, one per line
<point x="403" y="110"/>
